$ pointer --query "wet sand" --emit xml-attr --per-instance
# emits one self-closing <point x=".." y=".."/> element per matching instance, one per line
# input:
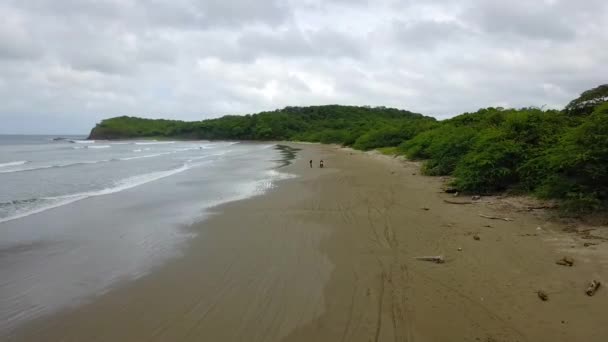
<point x="329" y="256"/>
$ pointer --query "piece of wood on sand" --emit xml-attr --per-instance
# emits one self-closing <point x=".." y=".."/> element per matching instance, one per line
<point x="457" y="202"/>
<point x="542" y="295"/>
<point x="565" y="261"/>
<point x="592" y="288"/>
<point x="496" y="217"/>
<point x="438" y="259"/>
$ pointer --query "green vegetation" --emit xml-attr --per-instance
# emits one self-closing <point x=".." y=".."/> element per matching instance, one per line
<point x="550" y="153"/>
<point x="346" y="125"/>
<point x="389" y="151"/>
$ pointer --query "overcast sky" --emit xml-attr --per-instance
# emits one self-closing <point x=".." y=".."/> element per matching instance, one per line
<point x="66" y="64"/>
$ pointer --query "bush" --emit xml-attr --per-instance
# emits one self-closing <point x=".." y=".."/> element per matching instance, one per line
<point x="443" y="147"/>
<point x="578" y="165"/>
<point x="491" y="165"/>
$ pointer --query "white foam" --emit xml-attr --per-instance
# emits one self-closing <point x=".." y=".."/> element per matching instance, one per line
<point x="83" y="141"/>
<point x="155" y="143"/>
<point x="99" y="146"/>
<point x="13" y="163"/>
<point x="127" y="183"/>
<point x="43" y="167"/>
<point x="276" y="175"/>
<point x="144" y="156"/>
<point x="209" y="155"/>
<point x="188" y="149"/>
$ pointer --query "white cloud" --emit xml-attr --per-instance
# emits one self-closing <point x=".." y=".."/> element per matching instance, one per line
<point x="65" y="64"/>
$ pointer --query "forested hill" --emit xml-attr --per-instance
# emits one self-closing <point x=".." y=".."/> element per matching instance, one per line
<point x="327" y="124"/>
<point x="560" y="154"/>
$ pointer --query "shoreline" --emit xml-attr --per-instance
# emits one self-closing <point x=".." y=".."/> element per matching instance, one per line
<point x="330" y="256"/>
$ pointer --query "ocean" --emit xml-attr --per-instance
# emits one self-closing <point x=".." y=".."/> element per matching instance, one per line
<point x="77" y="216"/>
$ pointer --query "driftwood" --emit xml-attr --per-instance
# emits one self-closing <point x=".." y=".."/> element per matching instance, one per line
<point x="593" y="286"/>
<point x="565" y="261"/>
<point x="476" y="237"/>
<point x="450" y="190"/>
<point x="542" y="295"/>
<point x="530" y="208"/>
<point x="436" y="259"/>
<point x="457" y="202"/>
<point x="496" y="218"/>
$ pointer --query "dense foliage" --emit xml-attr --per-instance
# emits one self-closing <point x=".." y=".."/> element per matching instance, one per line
<point x="588" y="100"/>
<point x="554" y="154"/>
<point x="326" y="124"/>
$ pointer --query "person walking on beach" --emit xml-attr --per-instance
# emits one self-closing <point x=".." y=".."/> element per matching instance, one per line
<point x="321" y="164"/>
<point x="311" y="163"/>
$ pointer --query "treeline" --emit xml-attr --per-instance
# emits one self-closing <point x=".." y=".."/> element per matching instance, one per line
<point x="327" y="124"/>
<point x="552" y="154"/>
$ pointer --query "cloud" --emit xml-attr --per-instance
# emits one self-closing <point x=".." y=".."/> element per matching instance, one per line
<point x="65" y="64"/>
<point x="295" y="43"/>
<point x="532" y="20"/>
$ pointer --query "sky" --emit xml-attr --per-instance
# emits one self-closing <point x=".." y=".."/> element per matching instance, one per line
<point x="67" y="64"/>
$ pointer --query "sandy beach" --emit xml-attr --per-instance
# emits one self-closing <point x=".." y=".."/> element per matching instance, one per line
<point x="330" y="256"/>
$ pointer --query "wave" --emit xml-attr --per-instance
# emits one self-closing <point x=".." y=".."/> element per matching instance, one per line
<point x="99" y="146"/>
<point x="47" y="203"/>
<point x="83" y="141"/>
<point x="144" y="156"/>
<point x="155" y="143"/>
<point x="188" y="149"/>
<point x="13" y="163"/>
<point x="44" y="167"/>
<point x="209" y="155"/>
<point x="87" y="162"/>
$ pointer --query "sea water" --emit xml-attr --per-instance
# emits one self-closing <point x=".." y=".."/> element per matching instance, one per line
<point x="78" y="216"/>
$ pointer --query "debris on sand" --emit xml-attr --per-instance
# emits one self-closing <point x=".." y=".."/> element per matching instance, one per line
<point x="425" y="208"/>
<point x="476" y="237"/>
<point x="565" y="261"/>
<point x="593" y="286"/>
<point x="552" y="206"/>
<point x="457" y="202"/>
<point x="450" y="190"/>
<point x="587" y="244"/>
<point x="476" y="198"/>
<point x="496" y="218"/>
<point x="542" y="295"/>
<point x="438" y="259"/>
<point x="460" y="249"/>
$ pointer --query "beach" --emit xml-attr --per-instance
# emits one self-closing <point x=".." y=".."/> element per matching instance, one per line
<point x="330" y="255"/>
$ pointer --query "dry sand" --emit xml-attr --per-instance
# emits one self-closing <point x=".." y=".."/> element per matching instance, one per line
<point x="329" y="256"/>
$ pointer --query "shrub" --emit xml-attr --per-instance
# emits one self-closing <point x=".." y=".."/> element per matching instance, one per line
<point x="578" y="165"/>
<point x="491" y="165"/>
